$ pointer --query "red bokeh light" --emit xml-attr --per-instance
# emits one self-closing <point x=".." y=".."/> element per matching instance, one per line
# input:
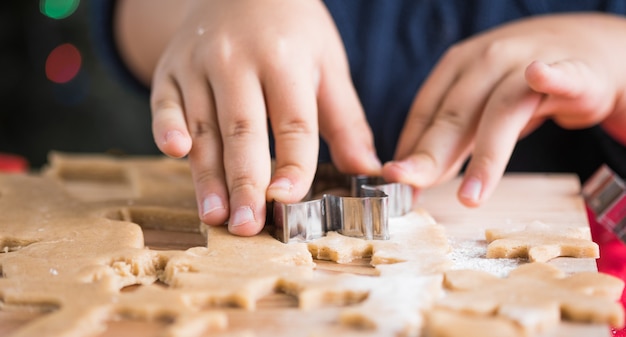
<point x="11" y="163"/>
<point x="63" y="63"/>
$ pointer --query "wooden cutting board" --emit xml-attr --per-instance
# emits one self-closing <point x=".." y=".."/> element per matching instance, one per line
<point x="518" y="200"/>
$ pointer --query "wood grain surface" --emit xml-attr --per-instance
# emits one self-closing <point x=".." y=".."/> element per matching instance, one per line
<point x="518" y="200"/>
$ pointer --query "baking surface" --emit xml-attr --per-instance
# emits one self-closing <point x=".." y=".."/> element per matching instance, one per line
<point x="518" y="201"/>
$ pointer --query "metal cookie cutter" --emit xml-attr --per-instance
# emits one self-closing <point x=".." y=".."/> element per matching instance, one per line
<point x="364" y="213"/>
<point x="605" y="194"/>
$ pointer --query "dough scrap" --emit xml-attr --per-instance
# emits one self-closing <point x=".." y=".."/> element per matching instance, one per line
<point x="532" y="299"/>
<point x="540" y="243"/>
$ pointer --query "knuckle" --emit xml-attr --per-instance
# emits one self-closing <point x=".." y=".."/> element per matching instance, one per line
<point x="483" y="161"/>
<point x="208" y="177"/>
<point x="240" y="183"/>
<point x="302" y="170"/>
<point x="223" y="55"/>
<point x="279" y="48"/>
<point x="505" y="101"/>
<point x="221" y="51"/>
<point x="281" y="53"/>
<point x="201" y="128"/>
<point x="454" y="52"/>
<point x="510" y="102"/>
<point x="496" y="50"/>
<point x="489" y="52"/>
<point x="293" y="128"/>
<point x="420" y="119"/>
<point x="458" y="52"/>
<point x="240" y="128"/>
<point x="161" y="103"/>
<point x="452" y="117"/>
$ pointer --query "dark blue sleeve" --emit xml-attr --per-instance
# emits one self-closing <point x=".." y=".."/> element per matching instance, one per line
<point x="101" y="24"/>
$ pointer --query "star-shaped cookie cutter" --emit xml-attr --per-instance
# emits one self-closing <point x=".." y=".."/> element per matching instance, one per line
<point x="363" y="213"/>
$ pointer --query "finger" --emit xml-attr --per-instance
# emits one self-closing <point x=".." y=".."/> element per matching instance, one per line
<point x="556" y="79"/>
<point x="292" y="109"/>
<point x="205" y="157"/>
<point x="343" y="124"/>
<point x="507" y="112"/>
<point x="445" y="143"/>
<point x="169" y="127"/>
<point x="577" y="96"/>
<point x="427" y="102"/>
<point x="243" y="124"/>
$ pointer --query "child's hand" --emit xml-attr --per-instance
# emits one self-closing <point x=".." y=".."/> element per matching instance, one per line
<point x="229" y="68"/>
<point x="490" y="90"/>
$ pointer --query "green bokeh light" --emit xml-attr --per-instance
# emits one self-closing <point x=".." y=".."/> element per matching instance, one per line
<point x="58" y="9"/>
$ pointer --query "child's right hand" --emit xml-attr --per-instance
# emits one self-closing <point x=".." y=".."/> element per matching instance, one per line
<point x="231" y="66"/>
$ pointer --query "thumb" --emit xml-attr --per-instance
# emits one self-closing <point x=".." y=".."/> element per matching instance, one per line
<point x="564" y="78"/>
<point x="576" y="95"/>
<point x="343" y="124"/>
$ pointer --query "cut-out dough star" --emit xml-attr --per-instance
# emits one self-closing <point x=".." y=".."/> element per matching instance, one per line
<point x="417" y="246"/>
<point x="533" y="298"/>
<point x="539" y="243"/>
<point x="327" y="290"/>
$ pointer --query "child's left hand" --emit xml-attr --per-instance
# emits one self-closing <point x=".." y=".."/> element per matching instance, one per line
<point x="490" y="90"/>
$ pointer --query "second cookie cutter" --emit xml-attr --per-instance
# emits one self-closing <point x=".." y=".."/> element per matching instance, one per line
<point x="605" y="194"/>
<point x="362" y="214"/>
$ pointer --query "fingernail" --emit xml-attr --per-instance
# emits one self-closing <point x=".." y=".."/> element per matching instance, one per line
<point x="242" y="216"/>
<point x="282" y="184"/>
<point x="211" y="203"/>
<point x="471" y="189"/>
<point x="171" y="135"/>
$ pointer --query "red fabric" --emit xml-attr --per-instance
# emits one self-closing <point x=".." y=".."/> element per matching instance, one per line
<point x="10" y="163"/>
<point x="612" y="257"/>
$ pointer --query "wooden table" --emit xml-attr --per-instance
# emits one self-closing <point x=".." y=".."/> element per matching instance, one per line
<point x="518" y="200"/>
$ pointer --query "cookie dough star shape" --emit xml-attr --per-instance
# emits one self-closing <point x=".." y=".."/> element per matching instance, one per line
<point x="540" y="242"/>
<point x="417" y="246"/>
<point x="532" y="299"/>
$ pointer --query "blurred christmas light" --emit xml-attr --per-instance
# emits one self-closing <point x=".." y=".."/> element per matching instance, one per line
<point x="12" y="163"/>
<point x="63" y="63"/>
<point x="58" y="9"/>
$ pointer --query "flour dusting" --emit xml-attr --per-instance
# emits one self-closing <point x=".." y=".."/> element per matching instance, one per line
<point x="471" y="255"/>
